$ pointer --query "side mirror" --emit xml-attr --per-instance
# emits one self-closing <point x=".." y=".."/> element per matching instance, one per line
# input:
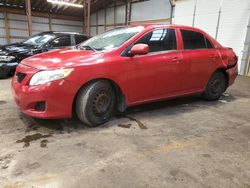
<point x="139" y="49"/>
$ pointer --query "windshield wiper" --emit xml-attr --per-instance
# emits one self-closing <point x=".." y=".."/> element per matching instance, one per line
<point x="86" y="47"/>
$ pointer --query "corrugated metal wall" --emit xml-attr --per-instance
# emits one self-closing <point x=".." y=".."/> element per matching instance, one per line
<point x="66" y="25"/>
<point x="2" y="30"/>
<point x="232" y="25"/>
<point x="18" y="26"/>
<point x="153" y="11"/>
<point x="115" y="15"/>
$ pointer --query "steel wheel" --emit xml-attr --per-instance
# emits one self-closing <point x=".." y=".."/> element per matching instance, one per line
<point x="95" y="103"/>
<point x="102" y="102"/>
<point x="216" y="86"/>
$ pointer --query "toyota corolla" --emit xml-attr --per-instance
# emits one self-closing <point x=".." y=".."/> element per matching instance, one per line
<point x="122" y="68"/>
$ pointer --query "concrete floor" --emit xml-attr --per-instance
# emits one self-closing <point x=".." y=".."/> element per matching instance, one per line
<point x="186" y="142"/>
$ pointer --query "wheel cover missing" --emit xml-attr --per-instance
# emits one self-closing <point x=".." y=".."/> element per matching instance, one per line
<point x="102" y="102"/>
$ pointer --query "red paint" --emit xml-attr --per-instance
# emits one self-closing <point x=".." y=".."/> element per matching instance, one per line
<point x="142" y="78"/>
<point x="140" y="49"/>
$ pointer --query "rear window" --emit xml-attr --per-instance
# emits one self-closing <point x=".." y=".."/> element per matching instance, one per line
<point x="61" y="41"/>
<point x="193" y="40"/>
<point x="80" y="38"/>
<point x="209" y="44"/>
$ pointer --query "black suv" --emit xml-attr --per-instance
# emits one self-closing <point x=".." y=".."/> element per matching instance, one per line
<point x="12" y="54"/>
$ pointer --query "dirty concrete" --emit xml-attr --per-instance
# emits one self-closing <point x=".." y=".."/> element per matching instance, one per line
<point x="29" y="138"/>
<point x="127" y="126"/>
<point x="185" y="142"/>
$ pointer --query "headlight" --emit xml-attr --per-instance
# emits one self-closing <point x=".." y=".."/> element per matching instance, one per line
<point x="6" y="58"/>
<point x="43" y="77"/>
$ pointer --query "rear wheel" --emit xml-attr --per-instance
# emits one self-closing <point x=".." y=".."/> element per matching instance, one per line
<point x="95" y="103"/>
<point x="215" y="87"/>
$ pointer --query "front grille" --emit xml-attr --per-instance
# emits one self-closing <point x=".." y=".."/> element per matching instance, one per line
<point x="20" y="76"/>
<point x="40" y="106"/>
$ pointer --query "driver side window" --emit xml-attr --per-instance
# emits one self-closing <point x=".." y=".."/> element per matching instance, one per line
<point x="61" y="42"/>
<point x="159" y="40"/>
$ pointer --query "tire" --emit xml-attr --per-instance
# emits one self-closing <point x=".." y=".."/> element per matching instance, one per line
<point x="12" y="72"/>
<point x="215" y="87"/>
<point x="95" y="103"/>
<point x="3" y="75"/>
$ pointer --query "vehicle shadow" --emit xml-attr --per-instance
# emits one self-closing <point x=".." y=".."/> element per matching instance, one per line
<point x="167" y="107"/>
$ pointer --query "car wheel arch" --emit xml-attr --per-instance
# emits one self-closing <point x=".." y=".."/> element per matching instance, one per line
<point x="120" y="96"/>
<point x="222" y="70"/>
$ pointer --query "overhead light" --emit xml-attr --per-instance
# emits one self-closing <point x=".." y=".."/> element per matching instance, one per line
<point x="60" y="2"/>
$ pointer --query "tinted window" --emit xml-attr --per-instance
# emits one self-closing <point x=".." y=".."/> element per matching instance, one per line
<point x="159" y="40"/>
<point x="61" y="41"/>
<point x="39" y="39"/>
<point x="80" y="38"/>
<point x="208" y="44"/>
<point x="193" y="40"/>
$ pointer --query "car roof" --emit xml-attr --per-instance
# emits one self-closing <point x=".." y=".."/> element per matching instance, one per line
<point x="150" y="26"/>
<point x="62" y="33"/>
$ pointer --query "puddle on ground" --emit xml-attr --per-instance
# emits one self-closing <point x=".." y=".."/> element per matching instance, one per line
<point x="127" y="126"/>
<point x="27" y="139"/>
<point x="2" y="102"/>
<point x="139" y="123"/>
<point x="43" y="143"/>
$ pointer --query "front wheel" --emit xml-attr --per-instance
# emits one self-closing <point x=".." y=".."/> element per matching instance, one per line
<point x="95" y="103"/>
<point x="3" y="74"/>
<point x="215" y="87"/>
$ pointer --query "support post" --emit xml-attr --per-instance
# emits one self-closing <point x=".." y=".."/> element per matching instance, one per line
<point x="87" y="17"/>
<point x="115" y="15"/>
<point x="97" y="23"/>
<point x="172" y="9"/>
<point x="50" y="22"/>
<point x="6" y="26"/>
<point x="245" y="60"/>
<point x="195" y="5"/>
<point x="218" y="21"/>
<point x="105" y="19"/>
<point x="128" y="12"/>
<point x="28" y="13"/>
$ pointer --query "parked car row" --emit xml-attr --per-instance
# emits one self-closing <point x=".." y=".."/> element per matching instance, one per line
<point x="11" y="55"/>
<point x="120" y="68"/>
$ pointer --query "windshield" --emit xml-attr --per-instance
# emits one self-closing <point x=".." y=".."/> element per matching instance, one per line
<point x="39" y="40"/>
<point x="111" y="39"/>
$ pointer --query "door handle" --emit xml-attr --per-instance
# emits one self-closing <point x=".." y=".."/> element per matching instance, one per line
<point x="213" y="56"/>
<point x="176" y="59"/>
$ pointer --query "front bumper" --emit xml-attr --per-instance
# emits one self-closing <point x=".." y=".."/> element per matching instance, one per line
<point x="57" y="96"/>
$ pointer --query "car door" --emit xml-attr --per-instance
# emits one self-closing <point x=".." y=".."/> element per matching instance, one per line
<point x="60" y="42"/>
<point x="201" y="58"/>
<point x="156" y="74"/>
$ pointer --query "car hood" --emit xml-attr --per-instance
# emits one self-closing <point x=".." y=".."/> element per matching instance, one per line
<point x="64" y="58"/>
<point x="16" y="48"/>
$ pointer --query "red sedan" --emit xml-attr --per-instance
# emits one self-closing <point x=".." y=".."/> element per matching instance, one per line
<point x="121" y="68"/>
